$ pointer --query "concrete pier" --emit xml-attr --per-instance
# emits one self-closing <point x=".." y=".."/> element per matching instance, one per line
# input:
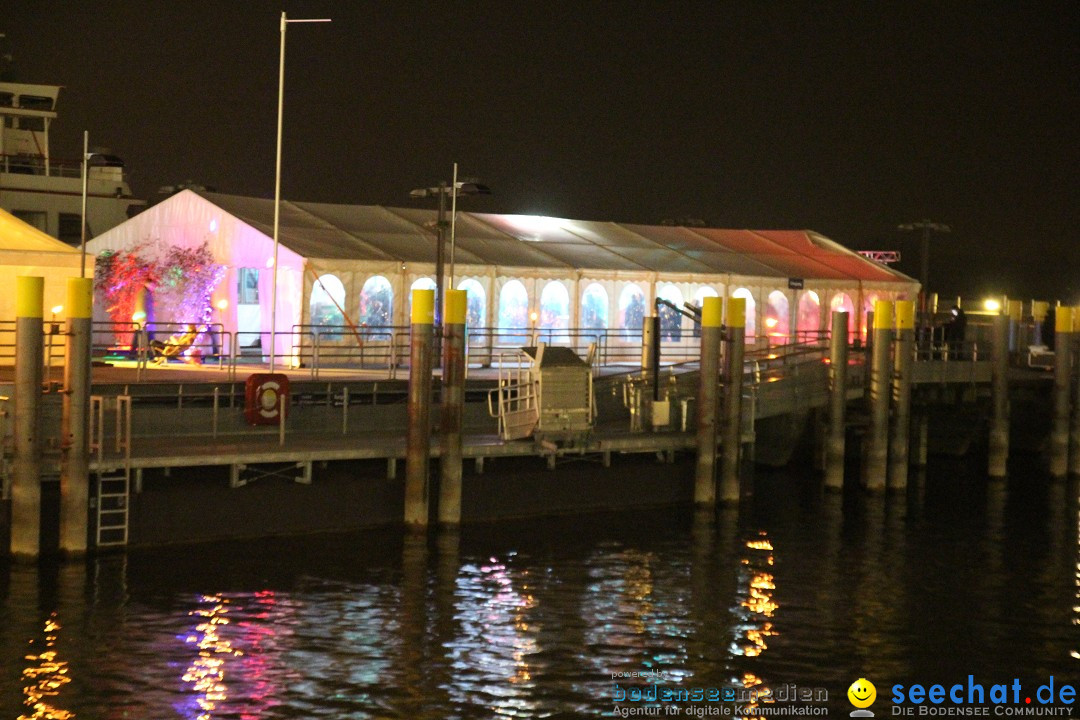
<point x="835" y="438"/>
<point x="453" y="406"/>
<point x="75" y="422"/>
<point x="26" y="463"/>
<point x="1059" y="430"/>
<point x="418" y="431"/>
<point x="735" y="346"/>
<point x="708" y="383"/>
<point x="903" y="361"/>
<point x="876" y="444"/>
<point x="998" y="456"/>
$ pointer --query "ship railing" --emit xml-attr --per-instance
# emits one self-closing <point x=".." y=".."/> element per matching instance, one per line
<point x="53" y="167"/>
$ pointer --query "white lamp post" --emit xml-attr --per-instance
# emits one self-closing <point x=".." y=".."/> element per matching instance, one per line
<point x="277" y="179"/>
<point x="86" y="155"/>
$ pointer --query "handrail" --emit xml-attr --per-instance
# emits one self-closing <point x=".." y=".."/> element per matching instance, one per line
<point x="5" y="481"/>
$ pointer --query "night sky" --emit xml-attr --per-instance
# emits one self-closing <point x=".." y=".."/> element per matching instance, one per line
<point x="847" y="118"/>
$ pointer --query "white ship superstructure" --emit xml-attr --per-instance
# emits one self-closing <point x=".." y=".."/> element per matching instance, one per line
<point x="45" y="191"/>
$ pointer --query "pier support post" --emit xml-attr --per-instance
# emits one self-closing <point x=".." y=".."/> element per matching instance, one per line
<point x="876" y="448"/>
<point x="1074" y="434"/>
<point x="418" y="432"/>
<point x="904" y="358"/>
<point x="75" y="422"/>
<point x="705" y="470"/>
<point x="650" y="353"/>
<point x="922" y="434"/>
<point x="733" y="384"/>
<point x="998" y="456"/>
<point x="1059" y="430"/>
<point x="835" y="438"/>
<point x="453" y="405"/>
<point x="26" y="465"/>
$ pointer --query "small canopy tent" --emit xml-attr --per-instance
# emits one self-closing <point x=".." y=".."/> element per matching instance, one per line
<point x="25" y="250"/>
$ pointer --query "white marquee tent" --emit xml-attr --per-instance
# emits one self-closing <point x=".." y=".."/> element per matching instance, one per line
<point x="519" y="270"/>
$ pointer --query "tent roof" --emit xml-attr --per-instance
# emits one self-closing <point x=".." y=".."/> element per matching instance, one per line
<point x="16" y="235"/>
<point x="372" y="232"/>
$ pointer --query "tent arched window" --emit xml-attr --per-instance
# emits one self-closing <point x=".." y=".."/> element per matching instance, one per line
<point x="594" y="308"/>
<point x="751" y="310"/>
<point x="670" y="320"/>
<point x="631" y="310"/>
<point x="327" y="299"/>
<point x="809" y="320"/>
<point x="513" y="311"/>
<point x="703" y="292"/>
<point x="777" y="315"/>
<point x="476" y="304"/>
<point x="555" y="307"/>
<point x="424" y="283"/>
<point x="841" y="302"/>
<point x="699" y="300"/>
<point x="868" y="307"/>
<point x="376" y="302"/>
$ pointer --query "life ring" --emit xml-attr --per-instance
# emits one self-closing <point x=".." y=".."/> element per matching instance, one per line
<point x="265" y="394"/>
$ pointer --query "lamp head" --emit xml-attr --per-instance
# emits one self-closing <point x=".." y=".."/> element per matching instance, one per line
<point x="472" y="188"/>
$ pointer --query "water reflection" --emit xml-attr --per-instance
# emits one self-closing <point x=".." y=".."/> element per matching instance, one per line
<point x="532" y="620"/>
<point x="492" y="653"/>
<point x="45" y="677"/>
<point x="206" y="673"/>
<point x="754" y="610"/>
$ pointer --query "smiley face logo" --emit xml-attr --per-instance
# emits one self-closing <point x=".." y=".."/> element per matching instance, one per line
<point x="862" y="693"/>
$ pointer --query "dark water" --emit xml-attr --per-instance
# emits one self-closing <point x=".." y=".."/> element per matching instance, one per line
<point x="531" y="619"/>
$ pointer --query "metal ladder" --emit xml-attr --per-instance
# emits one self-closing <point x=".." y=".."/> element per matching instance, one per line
<point x="113" y="487"/>
<point x="113" y="494"/>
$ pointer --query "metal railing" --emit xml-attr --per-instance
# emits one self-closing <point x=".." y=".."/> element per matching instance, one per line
<point x="5" y="477"/>
<point x="385" y="349"/>
<point x="7" y="342"/>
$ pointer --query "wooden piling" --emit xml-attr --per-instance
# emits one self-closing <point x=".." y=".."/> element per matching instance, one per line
<point x="835" y="439"/>
<point x="650" y="354"/>
<point x="26" y="464"/>
<point x="75" y="421"/>
<point x="903" y="361"/>
<point x="998" y="456"/>
<point x="733" y="384"/>
<point x="1074" y="433"/>
<point x="705" y="469"/>
<point x="876" y="444"/>
<point x="1059" y="430"/>
<point x="418" y="432"/>
<point x="453" y="405"/>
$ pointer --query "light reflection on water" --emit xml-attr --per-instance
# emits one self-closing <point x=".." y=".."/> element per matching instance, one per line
<point x="45" y="676"/>
<point x="532" y="619"/>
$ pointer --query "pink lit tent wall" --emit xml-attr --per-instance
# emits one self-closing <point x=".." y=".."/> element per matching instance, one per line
<point x="517" y="268"/>
<point x="187" y="220"/>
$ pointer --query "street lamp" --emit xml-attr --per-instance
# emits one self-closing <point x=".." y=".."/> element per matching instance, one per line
<point x="927" y="227"/>
<point x="277" y="178"/>
<point x="86" y="155"/>
<point x="441" y="191"/>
